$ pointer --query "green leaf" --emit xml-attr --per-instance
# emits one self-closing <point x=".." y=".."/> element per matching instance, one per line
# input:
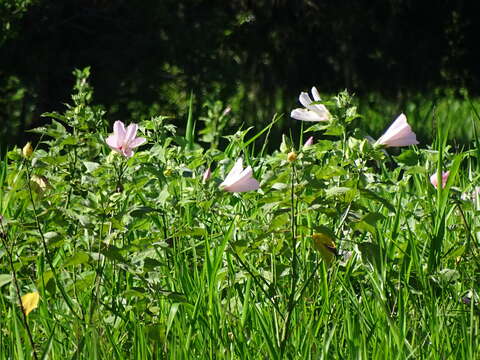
<point x="150" y="264"/>
<point x="79" y="258"/>
<point x="279" y="221"/>
<point x="142" y="210"/>
<point x="409" y="158"/>
<point x="448" y="275"/>
<point x="113" y="253"/>
<point x="85" y="280"/>
<point x="134" y="293"/>
<point x="91" y="166"/>
<point x="337" y="190"/>
<point x="5" y="279"/>
<point x="171" y="316"/>
<point x="370" y="253"/>
<point x="368" y="222"/>
<point x="162" y="198"/>
<point x="373" y="196"/>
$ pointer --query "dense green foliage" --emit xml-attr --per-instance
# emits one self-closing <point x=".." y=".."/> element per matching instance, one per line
<point x="139" y="258"/>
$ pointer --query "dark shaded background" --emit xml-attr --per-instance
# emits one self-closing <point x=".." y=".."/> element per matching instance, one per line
<point x="146" y="56"/>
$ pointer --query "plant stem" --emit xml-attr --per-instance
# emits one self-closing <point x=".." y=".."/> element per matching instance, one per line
<point x="4" y="237"/>
<point x="293" y="284"/>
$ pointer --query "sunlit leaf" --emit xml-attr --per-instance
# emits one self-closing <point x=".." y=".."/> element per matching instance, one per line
<point x="5" y="279"/>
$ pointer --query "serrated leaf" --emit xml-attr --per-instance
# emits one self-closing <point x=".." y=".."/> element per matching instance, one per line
<point x="280" y="186"/>
<point x="55" y="115"/>
<point x="84" y="280"/>
<point x="55" y="130"/>
<point x="150" y="264"/>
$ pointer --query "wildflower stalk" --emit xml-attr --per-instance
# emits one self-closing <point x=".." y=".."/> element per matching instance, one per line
<point x="44" y="245"/>
<point x="260" y="286"/>
<point x="468" y="230"/>
<point x="294" y="278"/>
<point x="4" y="237"/>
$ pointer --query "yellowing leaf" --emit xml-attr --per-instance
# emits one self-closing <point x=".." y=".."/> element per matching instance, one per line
<point x="325" y="245"/>
<point x="39" y="184"/>
<point x="30" y="301"/>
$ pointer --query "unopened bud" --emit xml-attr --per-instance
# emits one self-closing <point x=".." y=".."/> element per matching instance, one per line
<point x="292" y="156"/>
<point x="309" y="142"/>
<point x="226" y="111"/>
<point x="206" y="175"/>
<point x="27" y="150"/>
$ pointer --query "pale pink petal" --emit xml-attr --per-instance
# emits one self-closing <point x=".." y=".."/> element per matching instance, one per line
<point x="248" y="184"/>
<point x="131" y="133"/>
<point x="119" y="130"/>
<point x="408" y="138"/>
<point x="434" y="179"/>
<point x="394" y="129"/>
<point x="305" y="99"/>
<point x="322" y="111"/>
<point x="112" y="141"/>
<point x="241" y="180"/>
<point x="305" y="115"/>
<point x="316" y="95"/>
<point x="137" y="142"/>
<point x="311" y="112"/>
<point x="400" y="121"/>
<point x="445" y="176"/>
<point x="244" y="182"/>
<point x="127" y="152"/>
<point x="398" y="134"/>
<point x="234" y="174"/>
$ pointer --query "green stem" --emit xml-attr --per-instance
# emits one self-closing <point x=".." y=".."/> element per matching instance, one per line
<point x="4" y="237"/>
<point x="294" y="280"/>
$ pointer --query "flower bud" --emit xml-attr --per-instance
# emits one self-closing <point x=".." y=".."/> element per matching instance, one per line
<point x="27" y="150"/>
<point x="292" y="156"/>
<point x="226" y="111"/>
<point x="308" y="143"/>
<point x="206" y="175"/>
